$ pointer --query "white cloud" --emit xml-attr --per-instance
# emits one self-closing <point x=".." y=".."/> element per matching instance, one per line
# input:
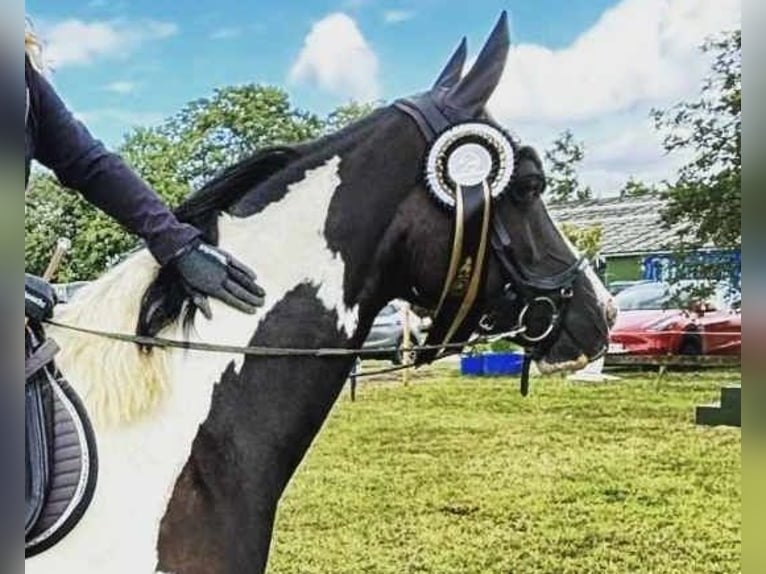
<point x="76" y="42"/>
<point x="639" y="51"/>
<point x="640" y="54"/>
<point x="225" y="33"/>
<point x="120" y="87"/>
<point x="337" y="58"/>
<point x="396" y="16"/>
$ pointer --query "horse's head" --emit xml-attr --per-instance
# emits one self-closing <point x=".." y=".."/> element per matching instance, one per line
<point x="479" y="244"/>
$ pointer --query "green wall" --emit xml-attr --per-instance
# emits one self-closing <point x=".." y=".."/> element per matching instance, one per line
<point x="623" y="268"/>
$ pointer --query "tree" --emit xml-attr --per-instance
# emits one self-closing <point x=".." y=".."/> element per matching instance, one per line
<point x="175" y="157"/>
<point x="212" y="133"/>
<point x="587" y="239"/>
<point x="563" y="160"/>
<point x="635" y="188"/>
<point x="347" y="114"/>
<point x="53" y="212"/>
<point x="704" y="203"/>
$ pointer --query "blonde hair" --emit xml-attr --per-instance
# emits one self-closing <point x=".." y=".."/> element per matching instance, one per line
<point x="33" y="47"/>
<point x="119" y="383"/>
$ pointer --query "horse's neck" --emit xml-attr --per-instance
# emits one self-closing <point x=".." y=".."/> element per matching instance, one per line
<point x="266" y="411"/>
<point x="284" y="243"/>
<point x="262" y="420"/>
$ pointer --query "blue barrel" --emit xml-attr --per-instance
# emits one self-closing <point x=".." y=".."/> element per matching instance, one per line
<point x="496" y="364"/>
<point x="472" y="365"/>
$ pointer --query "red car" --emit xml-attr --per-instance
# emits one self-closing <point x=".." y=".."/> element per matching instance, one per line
<point x="649" y="325"/>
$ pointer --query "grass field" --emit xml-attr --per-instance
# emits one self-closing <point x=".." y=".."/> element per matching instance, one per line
<point x="457" y="475"/>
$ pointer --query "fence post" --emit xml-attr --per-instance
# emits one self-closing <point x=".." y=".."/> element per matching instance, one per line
<point x="406" y="342"/>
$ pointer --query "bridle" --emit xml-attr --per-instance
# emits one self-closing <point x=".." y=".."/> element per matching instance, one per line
<point x="554" y="292"/>
<point x="466" y="179"/>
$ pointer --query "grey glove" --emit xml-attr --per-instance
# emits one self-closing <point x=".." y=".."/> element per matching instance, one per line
<point x="207" y="270"/>
<point x="39" y="298"/>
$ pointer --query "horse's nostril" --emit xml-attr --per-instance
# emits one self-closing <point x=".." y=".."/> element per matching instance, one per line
<point x="611" y="312"/>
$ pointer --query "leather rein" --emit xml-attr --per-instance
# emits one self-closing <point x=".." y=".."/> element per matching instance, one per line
<point x="147" y="342"/>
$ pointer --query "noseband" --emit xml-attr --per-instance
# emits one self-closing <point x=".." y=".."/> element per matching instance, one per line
<point x="469" y="164"/>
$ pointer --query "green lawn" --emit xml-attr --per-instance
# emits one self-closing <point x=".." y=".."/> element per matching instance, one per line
<point x="458" y="475"/>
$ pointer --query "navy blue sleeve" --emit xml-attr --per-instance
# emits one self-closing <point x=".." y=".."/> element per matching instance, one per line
<point x="64" y="145"/>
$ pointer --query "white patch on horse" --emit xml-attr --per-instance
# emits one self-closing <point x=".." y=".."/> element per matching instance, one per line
<point x="287" y="247"/>
<point x="142" y="453"/>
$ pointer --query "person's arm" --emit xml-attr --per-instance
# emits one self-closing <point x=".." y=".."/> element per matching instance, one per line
<point x="82" y="163"/>
<point x="63" y="144"/>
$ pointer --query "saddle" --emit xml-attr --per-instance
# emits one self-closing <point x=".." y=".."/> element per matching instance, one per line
<point x="61" y="463"/>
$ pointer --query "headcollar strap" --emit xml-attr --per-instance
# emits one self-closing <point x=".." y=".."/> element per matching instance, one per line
<point x="430" y="114"/>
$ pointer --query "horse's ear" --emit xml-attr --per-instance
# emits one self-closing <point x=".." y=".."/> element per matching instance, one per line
<point x="473" y="91"/>
<point x="451" y="73"/>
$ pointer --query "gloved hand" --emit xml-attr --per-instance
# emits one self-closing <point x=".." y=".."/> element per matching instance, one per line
<point x="39" y="298"/>
<point x="207" y="270"/>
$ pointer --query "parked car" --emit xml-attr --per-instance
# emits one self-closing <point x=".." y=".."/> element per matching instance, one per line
<point x="651" y="323"/>
<point x="65" y="291"/>
<point x="616" y="286"/>
<point x="388" y="331"/>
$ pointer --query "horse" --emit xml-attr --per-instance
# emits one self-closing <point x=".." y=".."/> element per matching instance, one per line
<point x="196" y="449"/>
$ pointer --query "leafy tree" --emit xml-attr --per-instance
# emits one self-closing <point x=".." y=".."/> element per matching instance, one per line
<point x="635" y="188"/>
<point x="53" y="212"/>
<point x="704" y="204"/>
<point x="563" y="160"/>
<point x="175" y="157"/>
<point x="587" y="239"/>
<point x="346" y="114"/>
<point x="212" y="133"/>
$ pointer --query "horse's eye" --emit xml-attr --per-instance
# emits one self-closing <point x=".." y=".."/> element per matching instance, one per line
<point x="528" y="187"/>
<point x="532" y="185"/>
<point x="529" y="180"/>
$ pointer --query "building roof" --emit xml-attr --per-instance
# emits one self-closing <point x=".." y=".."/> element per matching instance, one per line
<point x="629" y="225"/>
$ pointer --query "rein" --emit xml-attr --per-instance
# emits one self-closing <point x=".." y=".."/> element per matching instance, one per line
<point x="284" y="352"/>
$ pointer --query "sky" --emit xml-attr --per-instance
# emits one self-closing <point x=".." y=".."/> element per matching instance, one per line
<point x="596" y="67"/>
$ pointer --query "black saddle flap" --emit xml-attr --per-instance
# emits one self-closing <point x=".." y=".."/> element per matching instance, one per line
<point x="61" y="457"/>
<point x="38" y="429"/>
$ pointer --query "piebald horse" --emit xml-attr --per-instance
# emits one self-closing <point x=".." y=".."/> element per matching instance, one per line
<point x="195" y="449"/>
